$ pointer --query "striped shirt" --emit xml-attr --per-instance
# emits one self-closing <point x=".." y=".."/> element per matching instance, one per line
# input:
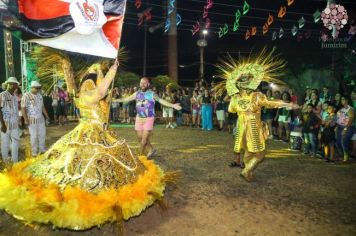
<point x="10" y="109"/>
<point x="33" y="104"/>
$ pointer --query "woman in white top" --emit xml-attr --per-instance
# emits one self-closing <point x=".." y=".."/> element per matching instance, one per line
<point x="345" y="129"/>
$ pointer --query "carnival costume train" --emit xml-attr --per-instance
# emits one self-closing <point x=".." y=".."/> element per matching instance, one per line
<point x="89" y="176"/>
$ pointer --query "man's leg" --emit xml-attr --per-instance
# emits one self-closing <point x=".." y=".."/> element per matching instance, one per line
<point x="33" y="138"/>
<point x="313" y="142"/>
<point x="165" y="117"/>
<point x="5" y="143"/>
<point x="149" y="145"/>
<point x="251" y="161"/>
<point x="42" y="137"/>
<point x="171" y="117"/>
<point x="139" y="136"/>
<point x="15" y="139"/>
<point x="145" y="140"/>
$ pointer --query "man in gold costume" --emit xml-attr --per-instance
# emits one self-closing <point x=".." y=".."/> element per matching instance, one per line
<point x="242" y="79"/>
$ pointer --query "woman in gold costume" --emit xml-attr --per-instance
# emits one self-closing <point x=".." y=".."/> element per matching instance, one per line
<point x="89" y="176"/>
<point x="242" y="79"/>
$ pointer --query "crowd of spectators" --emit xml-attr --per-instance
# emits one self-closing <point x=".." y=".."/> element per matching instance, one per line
<point x="325" y="124"/>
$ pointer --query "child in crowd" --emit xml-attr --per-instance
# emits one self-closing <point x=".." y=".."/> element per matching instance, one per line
<point x="328" y="132"/>
<point x="309" y="124"/>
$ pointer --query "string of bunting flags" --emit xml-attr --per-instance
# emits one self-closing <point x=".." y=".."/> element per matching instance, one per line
<point x="224" y="30"/>
<point x="281" y="14"/>
<point x="144" y="16"/>
<point x="334" y="17"/>
<point x="196" y="26"/>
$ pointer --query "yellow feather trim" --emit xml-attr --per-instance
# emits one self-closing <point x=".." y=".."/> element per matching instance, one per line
<point x="29" y="199"/>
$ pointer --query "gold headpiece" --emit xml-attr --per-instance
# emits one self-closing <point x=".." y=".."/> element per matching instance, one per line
<point x="249" y="73"/>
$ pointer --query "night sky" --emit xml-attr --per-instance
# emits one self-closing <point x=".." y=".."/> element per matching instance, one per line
<point x="234" y="42"/>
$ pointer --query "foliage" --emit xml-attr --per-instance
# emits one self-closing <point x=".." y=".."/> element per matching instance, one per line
<point x="126" y="79"/>
<point x="161" y="81"/>
<point x="307" y="76"/>
<point x="30" y="71"/>
<point x="50" y="65"/>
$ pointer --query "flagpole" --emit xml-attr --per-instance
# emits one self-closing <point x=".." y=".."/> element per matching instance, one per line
<point x="112" y="86"/>
<point x="110" y="94"/>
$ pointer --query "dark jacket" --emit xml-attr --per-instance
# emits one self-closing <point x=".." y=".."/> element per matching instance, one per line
<point x="309" y="122"/>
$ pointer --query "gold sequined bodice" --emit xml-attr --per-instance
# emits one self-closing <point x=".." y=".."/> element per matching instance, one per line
<point x="96" y="112"/>
<point x="245" y="103"/>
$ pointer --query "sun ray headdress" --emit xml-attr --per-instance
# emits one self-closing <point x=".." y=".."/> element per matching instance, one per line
<point x="248" y="73"/>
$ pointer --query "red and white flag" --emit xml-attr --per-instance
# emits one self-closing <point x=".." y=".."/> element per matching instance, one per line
<point x="83" y="26"/>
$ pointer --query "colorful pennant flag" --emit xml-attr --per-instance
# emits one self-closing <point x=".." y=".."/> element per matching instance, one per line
<point x="246" y="8"/>
<point x="316" y="16"/>
<point x="294" y="30"/>
<point x="301" y="22"/>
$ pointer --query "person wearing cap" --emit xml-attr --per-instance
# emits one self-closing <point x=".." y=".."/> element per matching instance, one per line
<point x="9" y="121"/>
<point x="32" y="110"/>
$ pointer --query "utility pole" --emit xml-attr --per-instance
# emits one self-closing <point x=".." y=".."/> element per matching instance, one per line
<point x="144" y="73"/>
<point x="202" y="43"/>
<point x="172" y="45"/>
<point x="141" y="15"/>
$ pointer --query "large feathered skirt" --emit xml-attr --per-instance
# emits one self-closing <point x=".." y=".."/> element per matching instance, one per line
<point x="87" y="178"/>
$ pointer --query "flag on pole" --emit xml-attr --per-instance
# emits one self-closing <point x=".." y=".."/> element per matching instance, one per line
<point x="83" y="26"/>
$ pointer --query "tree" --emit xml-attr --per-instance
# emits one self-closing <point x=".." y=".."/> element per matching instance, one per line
<point x="307" y="76"/>
<point x="161" y="81"/>
<point x="126" y="79"/>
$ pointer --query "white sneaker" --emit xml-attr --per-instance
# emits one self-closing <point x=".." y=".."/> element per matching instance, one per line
<point x="168" y="125"/>
<point x="151" y="153"/>
<point x="172" y="126"/>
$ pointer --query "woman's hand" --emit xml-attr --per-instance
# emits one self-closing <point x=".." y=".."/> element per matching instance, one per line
<point x="116" y="63"/>
<point x="177" y="106"/>
<point x="295" y="106"/>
